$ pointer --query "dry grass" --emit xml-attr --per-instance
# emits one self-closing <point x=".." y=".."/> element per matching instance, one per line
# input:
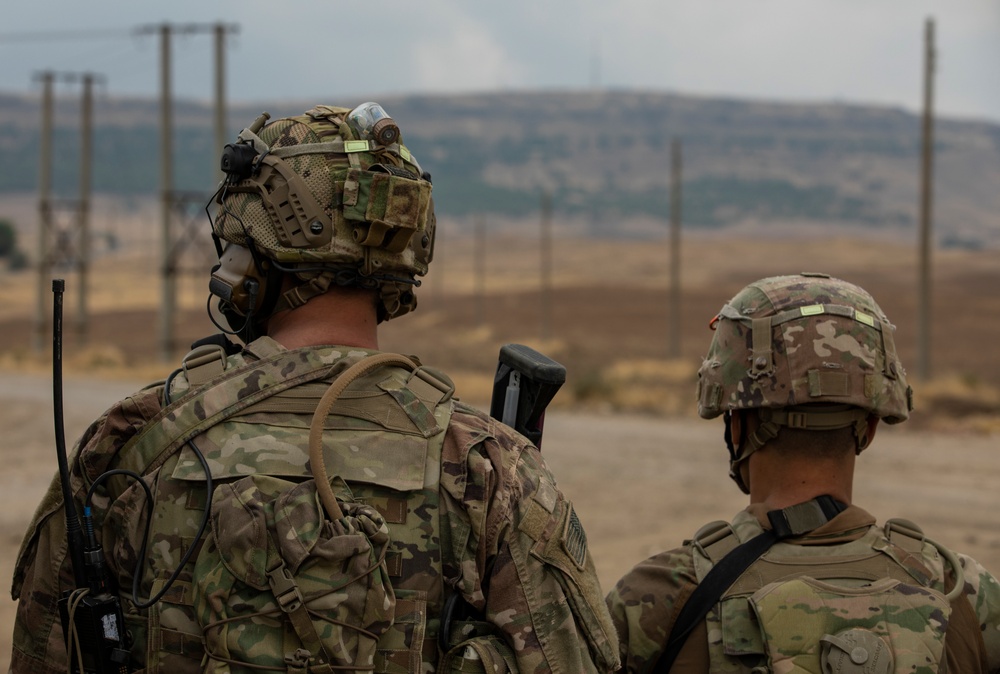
<point x="659" y="387"/>
<point x="609" y="321"/>
<point x="959" y="403"/>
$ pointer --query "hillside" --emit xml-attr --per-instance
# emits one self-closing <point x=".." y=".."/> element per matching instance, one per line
<point x="604" y="156"/>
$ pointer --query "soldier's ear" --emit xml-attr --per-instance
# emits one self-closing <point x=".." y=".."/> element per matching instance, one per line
<point x="872" y="427"/>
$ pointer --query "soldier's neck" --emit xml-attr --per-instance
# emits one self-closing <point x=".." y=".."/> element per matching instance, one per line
<point x="779" y="480"/>
<point x="334" y="318"/>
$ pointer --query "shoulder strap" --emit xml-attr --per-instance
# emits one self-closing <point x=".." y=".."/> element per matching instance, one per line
<point x="222" y="397"/>
<point x="786" y="523"/>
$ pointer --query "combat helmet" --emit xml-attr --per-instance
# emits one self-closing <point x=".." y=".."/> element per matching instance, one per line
<point x="324" y="198"/>
<point x="807" y="351"/>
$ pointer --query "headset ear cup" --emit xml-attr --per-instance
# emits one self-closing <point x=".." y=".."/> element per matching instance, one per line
<point x="262" y="293"/>
<point x="239" y="280"/>
<point x="244" y="319"/>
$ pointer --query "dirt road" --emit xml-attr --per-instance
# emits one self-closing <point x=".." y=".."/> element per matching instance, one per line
<point x="639" y="484"/>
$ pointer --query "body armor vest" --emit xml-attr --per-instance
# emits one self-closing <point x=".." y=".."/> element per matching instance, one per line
<point x="387" y="432"/>
<point x="872" y="605"/>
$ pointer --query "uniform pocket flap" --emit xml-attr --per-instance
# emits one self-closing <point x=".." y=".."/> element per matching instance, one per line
<point x="239" y="526"/>
<point x="384" y="459"/>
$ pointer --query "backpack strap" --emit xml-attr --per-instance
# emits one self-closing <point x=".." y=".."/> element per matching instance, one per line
<point x="204" y="363"/>
<point x="292" y="604"/>
<point x="910" y="538"/>
<point x="785" y="523"/>
<point x="222" y="397"/>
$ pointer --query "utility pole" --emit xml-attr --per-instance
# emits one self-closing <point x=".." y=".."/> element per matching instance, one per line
<point x="171" y="200"/>
<point x="65" y="243"/>
<point x="479" y="258"/>
<point x="675" y="250"/>
<point x="168" y="297"/>
<point x="44" y="208"/>
<point x="546" y="260"/>
<point x="220" y="31"/>
<point x="83" y="211"/>
<point x="926" y="191"/>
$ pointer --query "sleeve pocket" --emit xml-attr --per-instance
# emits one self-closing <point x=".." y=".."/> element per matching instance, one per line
<point x="565" y="552"/>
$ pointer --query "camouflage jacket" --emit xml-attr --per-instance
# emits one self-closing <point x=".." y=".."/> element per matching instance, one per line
<point x="506" y="540"/>
<point x="646" y="601"/>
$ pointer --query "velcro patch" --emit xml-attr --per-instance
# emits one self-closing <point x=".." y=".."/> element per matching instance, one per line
<point x="394" y="564"/>
<point x="534" y="520"/>
<point x="871" y="385"/>
<point x="394" y="510"/>
<point x="828" y="383"/>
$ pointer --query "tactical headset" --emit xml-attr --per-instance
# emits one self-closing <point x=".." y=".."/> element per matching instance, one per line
<point x="246" y="283"/>
<point x="248" y="286"/>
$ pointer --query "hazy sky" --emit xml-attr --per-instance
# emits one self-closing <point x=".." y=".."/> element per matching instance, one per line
<point x="864" y="51"/>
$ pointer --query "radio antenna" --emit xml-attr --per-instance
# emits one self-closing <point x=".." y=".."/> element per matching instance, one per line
<point x="74" y="531"/>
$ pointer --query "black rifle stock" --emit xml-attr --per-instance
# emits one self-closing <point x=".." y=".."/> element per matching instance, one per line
<point x="524" y="385"/>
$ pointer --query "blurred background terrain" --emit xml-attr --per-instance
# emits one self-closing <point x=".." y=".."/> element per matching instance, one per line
<point x="603" y="156"/>
<point x="767" y="188"/>
<point x="552" y="153"/>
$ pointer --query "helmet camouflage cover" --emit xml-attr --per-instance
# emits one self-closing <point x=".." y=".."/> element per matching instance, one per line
<point x="788" y="341"/>
<point x="332" y="208"/>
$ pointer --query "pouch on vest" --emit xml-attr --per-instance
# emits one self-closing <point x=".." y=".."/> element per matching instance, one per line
<point x="280" y="586"/>
<point x="887" y="627"/>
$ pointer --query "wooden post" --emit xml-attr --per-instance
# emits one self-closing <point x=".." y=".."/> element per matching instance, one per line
<point x="168" y="299"/>
<point x="83" y="207"/>
<point x="479" y="260"/>
<point x="220" y="97"/>
<point x="926" y="191"/>
<point x="546" y="264"/>
<point x="674" y="313"/>
<point x="44" y="210"/>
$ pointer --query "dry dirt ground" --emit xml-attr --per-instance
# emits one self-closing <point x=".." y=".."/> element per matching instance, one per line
<point x="640" y="484"/>
<point x="621" y="439"/>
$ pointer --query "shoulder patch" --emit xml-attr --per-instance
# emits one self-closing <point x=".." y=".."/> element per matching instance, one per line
<point x="574" y="539"/>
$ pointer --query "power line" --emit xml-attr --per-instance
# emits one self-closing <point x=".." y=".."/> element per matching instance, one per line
<point x="57" y="35"/>
<point x="69" y="77"/>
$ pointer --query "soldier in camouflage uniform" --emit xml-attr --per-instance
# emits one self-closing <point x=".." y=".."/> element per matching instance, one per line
<point x="445" y="544"/>
<point x="803" y="368"/>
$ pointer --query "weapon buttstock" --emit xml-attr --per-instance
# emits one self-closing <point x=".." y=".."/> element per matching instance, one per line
<point x="524" y="385"/>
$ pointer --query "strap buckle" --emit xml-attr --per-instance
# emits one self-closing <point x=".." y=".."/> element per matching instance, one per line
<point x="298" y="661"/>
<point x="800" y="519"/>
<point x="797" y="420"/>
<point x="285" y="589"/>
<point x="204" y="363"/>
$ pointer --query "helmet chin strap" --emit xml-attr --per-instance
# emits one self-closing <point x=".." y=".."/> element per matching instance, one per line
<point x="735" y="451"/>
<point x="807" y="417"/>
